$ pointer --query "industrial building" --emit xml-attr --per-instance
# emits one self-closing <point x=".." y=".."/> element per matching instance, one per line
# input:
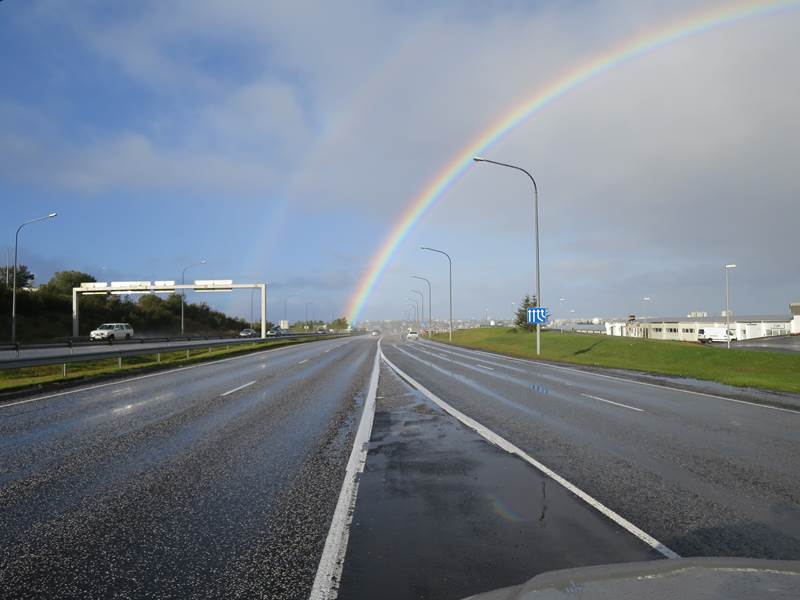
<point x="695" y="328"/>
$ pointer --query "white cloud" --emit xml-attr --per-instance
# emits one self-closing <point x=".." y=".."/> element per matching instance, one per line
<point x="673" y="158"/>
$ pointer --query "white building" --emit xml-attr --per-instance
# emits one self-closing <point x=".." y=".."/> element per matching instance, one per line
<point x="692" y="328"/>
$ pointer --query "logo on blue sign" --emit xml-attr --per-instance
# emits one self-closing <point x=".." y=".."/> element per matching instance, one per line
<point x="537" y="316"/>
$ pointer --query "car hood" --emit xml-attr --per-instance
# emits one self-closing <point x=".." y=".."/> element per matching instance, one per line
<point x="706" y="578"/>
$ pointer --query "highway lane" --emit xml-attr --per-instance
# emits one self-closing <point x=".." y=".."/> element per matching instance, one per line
<point x="217" y="480"/>
<point x="102" y="347"/>
<point x="705" y="476"/>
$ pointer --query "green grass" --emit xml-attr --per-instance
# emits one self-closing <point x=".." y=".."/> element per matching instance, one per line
<point x="32" y="377"/>
<point x="765" y="370"/>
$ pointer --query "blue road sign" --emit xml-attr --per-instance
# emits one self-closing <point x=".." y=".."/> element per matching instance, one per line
<point x="537" y="316"/>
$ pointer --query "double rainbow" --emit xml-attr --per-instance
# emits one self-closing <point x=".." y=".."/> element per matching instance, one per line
<point x="642" y="44"/>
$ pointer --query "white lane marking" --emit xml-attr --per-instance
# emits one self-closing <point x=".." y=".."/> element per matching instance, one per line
<point x="160" y="373"/>
<point x="329" y="572"/>
<point x="512" y="449"/>
<point x="612" y="402"/>
<point x="305" y="360"/>
<point x="484" y="367"/>
<point x="623" y="379"/>
<point x="236" y="389"/>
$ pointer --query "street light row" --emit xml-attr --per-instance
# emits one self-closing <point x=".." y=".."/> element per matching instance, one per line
<point x="536" y="234"/>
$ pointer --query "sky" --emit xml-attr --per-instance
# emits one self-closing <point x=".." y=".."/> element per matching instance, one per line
<point x="282" y="140"/>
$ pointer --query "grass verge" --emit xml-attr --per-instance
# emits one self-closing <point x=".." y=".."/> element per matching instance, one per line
<point x="772" y="371"/>
<point x="31" y="378"/>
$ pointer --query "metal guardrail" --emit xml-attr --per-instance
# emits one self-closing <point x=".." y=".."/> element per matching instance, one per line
<point x="72" y="357"/>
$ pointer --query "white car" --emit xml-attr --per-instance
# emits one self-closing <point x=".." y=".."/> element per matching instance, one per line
<point x="412" y="335"/>
<point x="112" y="331"/>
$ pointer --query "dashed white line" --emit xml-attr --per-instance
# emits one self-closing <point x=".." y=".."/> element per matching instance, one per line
<point x="305" y="360"/>
<point x="236" y="389"/>
<point x="148" y="376"/>
<point x="484" y="367"/>
<point x="623" y="379"/>
<point x="612" y="402"/>
<point x="511" y="448"/>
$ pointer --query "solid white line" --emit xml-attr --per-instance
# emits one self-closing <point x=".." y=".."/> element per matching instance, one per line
<point x="241" y="387"/>
<point x="623" y="379"/>
<point x="484" y="367"/>
<point x="329" y="572"/>
<point x="148" y="376"/>
<point x="511" y="448"/>
<point x="612" y="402"/>
<point x="305" y="360"/>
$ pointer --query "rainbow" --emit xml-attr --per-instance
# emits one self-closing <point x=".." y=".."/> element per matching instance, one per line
<point x="578" y="75"/>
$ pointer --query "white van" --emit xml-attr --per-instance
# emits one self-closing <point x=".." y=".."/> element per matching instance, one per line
<point x="112" y="331"/>
<point x="714" y="334"/>
<point x="412" y="335"/>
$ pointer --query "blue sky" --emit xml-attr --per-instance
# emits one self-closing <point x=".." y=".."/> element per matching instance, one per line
<point x="281" y="141"/>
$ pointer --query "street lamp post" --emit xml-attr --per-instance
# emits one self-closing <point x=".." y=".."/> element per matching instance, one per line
<point x="536" y="233"/>
<point x="307" y="303"/>
<point x="14" y="282"/>
<point x="415" y="307"/>
<point x="422" y="298"/>
<point x="450" y="262"/>
<point x="430" y="306"/>
<point x="183" y="282"/>
<point x="728" y="306"/>
<point x="286" y="306"/>
<point x="416" y="310"/>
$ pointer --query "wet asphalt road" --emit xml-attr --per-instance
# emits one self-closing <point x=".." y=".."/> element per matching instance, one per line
<point x="783" y="343"/>
<point x="704" y="476"/>
<point x="175" y="486"/>
<point x="101" y="348"/>
<point x="442" y="513"/>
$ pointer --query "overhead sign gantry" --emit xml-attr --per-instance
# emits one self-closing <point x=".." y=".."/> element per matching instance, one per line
<point x="121" y="288"/>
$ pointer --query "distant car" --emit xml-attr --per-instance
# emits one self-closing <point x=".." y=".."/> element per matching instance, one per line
<point x="412" y="335"/>
<point x="376" y="332"/>
<point x="111" y="332"/>
<point x="248" y="333"/>
<point x="275" y="332"/>
<point x="321" y="331"/>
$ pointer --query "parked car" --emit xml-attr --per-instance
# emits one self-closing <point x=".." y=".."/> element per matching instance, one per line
<point x="412" y="335"/>
<point x="248" y="333"/>
<point x="111" y="332"/>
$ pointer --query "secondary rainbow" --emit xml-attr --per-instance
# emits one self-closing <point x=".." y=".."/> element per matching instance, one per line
<point x="629" y="50"/>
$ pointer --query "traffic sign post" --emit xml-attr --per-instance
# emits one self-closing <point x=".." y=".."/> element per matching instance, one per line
<point x="537" y="315"/>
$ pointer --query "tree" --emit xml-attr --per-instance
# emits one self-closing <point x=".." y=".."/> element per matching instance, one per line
<point x="24" y="276"/>
<point x="339" y="324"/>
<point x="62" y="282"/>
<point x="521" y="320"/>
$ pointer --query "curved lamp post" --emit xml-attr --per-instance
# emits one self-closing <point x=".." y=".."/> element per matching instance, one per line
<point x="183" y="282"/>
<point x="14" y="283"/>
<point x="430" y="306"/>
<point x="450" y="262"/>
<point x="536" y="234"/>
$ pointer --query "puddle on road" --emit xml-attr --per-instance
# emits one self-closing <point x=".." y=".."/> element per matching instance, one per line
<point x="441" y="513"/>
